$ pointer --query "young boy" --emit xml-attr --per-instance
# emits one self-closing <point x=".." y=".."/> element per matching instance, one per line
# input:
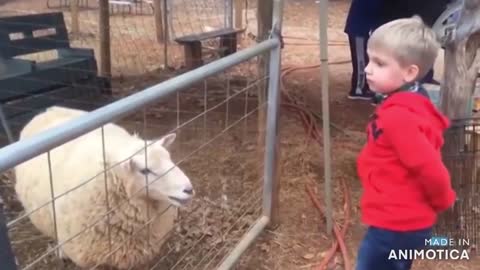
<point x="405" y="182"/>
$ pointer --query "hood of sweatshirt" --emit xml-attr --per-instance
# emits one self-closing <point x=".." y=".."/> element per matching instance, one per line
<point x="418" y="103"/>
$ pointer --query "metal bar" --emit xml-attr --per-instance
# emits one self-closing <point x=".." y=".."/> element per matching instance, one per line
<point x="246" y="241"/>
<point x="271" y="133"/>
<point x="323" y="6"/>
<point x="21" y="151"/>
<point x="7" y="258"/>
<point x="270" y="190"/>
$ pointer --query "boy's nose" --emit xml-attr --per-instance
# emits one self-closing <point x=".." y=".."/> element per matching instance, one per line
<point x="367" y="69"/>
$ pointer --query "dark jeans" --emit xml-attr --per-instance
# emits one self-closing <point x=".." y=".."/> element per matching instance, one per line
<point x="377" y="243"/>
<point x="358" y="54"/>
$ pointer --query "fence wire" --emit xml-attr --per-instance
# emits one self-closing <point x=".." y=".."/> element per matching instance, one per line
<point x="461" y="154"/>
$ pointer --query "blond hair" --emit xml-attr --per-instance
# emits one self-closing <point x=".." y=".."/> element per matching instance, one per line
<point x="409" y="40"/>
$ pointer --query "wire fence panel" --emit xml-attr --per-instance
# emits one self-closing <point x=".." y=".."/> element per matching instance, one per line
<point x="461" y="156"/>
<point x="194" y="17"/>
<point x="137" y="59"/>
<point x="112" y="199"/>
<point x="135" y="49"/>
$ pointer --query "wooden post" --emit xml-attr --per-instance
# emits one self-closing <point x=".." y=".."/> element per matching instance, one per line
<point x="158" y="15"/>
<point x="239" y="13"/>
<point x="462" y="63"/>
<point x="74" y="11"/>
<point x="166" y="34"/>
<point x="105" y="54"/>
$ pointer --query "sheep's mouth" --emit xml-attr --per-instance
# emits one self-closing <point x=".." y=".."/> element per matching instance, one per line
<point x="178" y="200"/>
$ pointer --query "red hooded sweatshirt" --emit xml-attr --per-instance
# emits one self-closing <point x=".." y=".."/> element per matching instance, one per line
<point x="405" y="181"/>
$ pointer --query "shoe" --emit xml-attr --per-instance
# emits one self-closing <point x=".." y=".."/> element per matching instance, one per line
<point x="432" y="81"/>
<point x="364" y="96"/>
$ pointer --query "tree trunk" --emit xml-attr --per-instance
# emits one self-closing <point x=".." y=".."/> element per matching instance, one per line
<point x="462" y="63"/>
<point x="460" y="75"/>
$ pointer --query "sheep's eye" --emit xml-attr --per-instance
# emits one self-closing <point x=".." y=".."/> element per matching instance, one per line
<point x="145" y="171"/>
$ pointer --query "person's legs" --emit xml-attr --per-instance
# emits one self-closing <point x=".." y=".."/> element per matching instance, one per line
<point x="377" y="245"/>
<point x="359" y="87"/>
<point x="429" y="78"/>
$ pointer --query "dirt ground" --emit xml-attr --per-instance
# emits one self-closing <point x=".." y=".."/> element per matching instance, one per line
<point x="299" y="241"/>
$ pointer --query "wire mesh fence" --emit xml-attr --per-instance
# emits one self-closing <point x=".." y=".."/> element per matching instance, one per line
<point x="137" y="58"/>
<point x="116" y="207"/>
<point x="461" y="156"/>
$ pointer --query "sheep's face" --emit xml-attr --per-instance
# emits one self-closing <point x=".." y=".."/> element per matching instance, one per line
<point x="166" y="181"/>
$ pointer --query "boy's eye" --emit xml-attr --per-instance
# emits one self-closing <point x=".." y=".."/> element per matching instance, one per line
<point x="379" y="63"/>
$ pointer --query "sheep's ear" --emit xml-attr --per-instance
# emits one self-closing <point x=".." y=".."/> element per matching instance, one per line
<point x="167" y="140"/>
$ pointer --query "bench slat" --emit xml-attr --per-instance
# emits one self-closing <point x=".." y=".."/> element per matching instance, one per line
<point x="27" y="24"/>
<point x="32" y="45"/>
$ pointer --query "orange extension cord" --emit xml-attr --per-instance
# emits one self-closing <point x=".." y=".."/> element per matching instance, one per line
<point x="311" y="128"/>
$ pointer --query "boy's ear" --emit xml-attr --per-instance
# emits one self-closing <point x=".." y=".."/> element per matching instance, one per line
<point x="411" y="73"/>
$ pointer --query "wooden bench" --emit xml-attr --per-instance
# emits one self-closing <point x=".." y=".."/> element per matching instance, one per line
<point x="192" y="44"/>
<point x="46" y="83"/>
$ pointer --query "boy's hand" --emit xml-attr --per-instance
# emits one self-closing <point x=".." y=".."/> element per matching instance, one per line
<point x="451" y="208"/>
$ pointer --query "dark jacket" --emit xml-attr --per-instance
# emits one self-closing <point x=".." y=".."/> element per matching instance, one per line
<point x="363" y="16"/>
<point x="428" y="10"/>
<point x="366" y="15"/>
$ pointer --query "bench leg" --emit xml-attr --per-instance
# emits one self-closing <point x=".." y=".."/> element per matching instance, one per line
<point x="229" y="42"/>
<point x="193" y="55"/>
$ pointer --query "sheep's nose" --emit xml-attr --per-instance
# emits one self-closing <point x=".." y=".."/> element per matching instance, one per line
<point x="189" y="191"/>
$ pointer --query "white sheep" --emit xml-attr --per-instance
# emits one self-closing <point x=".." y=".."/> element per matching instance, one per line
<point x="128" y="241"/>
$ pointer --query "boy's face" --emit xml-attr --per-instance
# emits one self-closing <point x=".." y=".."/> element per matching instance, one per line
<point x="385" y="74"/>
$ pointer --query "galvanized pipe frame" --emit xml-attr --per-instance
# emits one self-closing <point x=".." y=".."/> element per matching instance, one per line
<point x="24" y="150"/>
<point x="271" y="142"/>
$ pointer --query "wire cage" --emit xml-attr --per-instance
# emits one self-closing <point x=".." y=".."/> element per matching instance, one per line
<point x="461" y="155"/>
